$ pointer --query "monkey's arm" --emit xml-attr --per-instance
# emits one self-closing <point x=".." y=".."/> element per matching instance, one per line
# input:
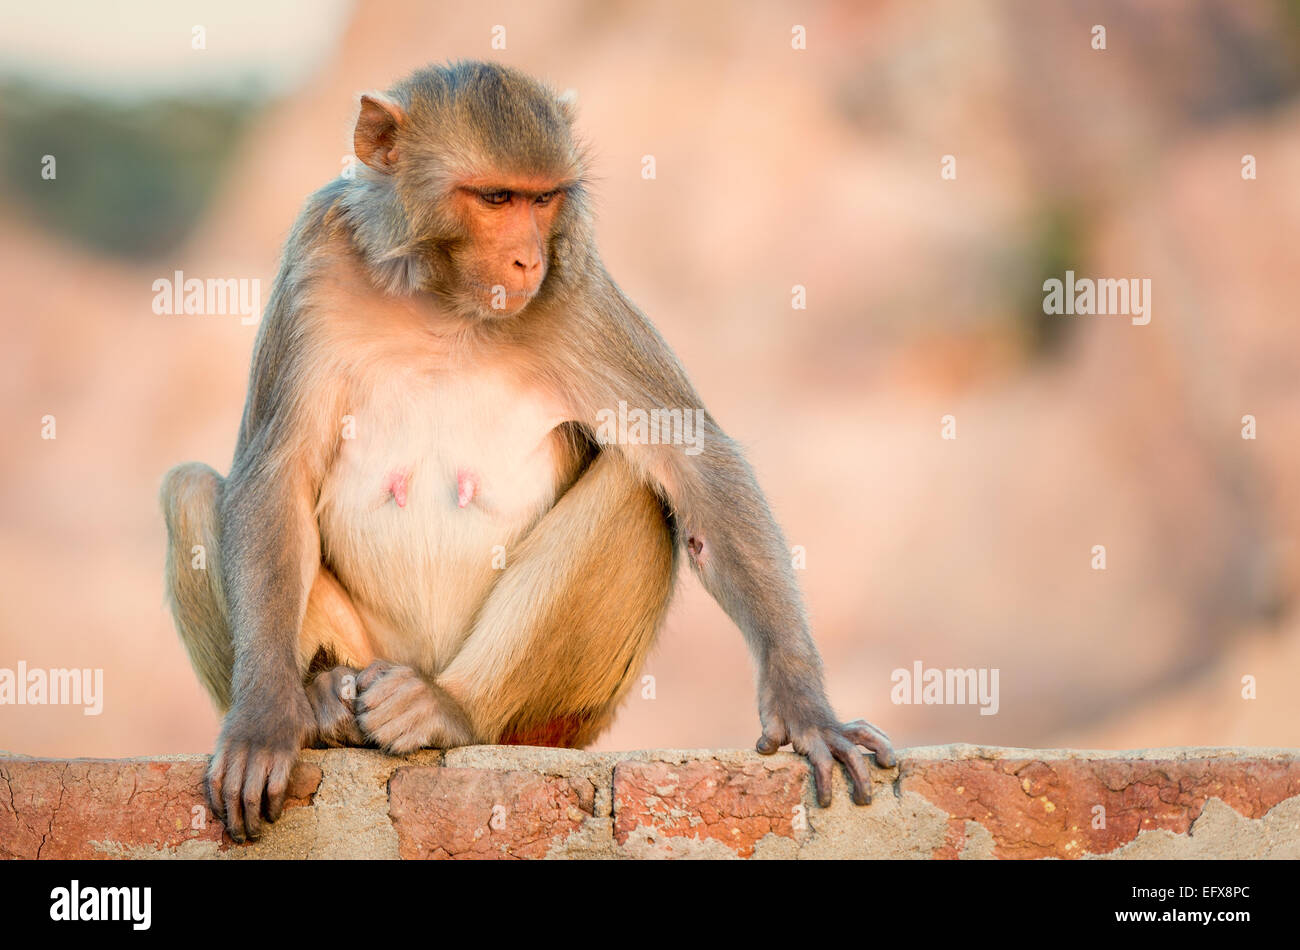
<point x="269" y="544"/>
<point x="270" y="553"/>
<point x="735" y="547"/>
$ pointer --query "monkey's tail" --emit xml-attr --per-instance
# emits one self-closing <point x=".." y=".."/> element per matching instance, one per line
<point x="190" y="498"/>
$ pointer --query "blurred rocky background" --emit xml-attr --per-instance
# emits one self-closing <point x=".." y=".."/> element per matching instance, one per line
<point x="775" y="167"/>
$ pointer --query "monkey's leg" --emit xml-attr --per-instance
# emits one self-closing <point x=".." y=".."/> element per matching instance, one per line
<point x="193" y="575"/>
<point x="559" y="639"/>
<point x="332" y="632"/>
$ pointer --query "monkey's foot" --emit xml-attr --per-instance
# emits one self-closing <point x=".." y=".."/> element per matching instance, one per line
<point x="331" y="694"/>
<point x="401" y="711"/>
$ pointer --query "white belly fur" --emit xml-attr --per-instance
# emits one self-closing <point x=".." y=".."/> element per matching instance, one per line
<point x="418" y="572"/>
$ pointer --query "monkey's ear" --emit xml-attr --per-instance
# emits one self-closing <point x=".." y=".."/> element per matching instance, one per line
<point x="375" y="137"/>
<point x="568" y="101"/>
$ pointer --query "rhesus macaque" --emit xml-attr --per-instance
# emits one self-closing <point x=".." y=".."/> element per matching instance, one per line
<point x="421" y="541"/>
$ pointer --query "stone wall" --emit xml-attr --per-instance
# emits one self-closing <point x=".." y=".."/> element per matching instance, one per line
<point x="955" y="801"/>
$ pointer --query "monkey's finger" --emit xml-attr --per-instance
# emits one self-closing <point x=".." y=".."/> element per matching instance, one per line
<point x="865" y="734"/>
<point x="373" y="705"/>
<point x="421" y="723"/>
<point x="252" y="793"/>
<point x="774" y="736"/>
<point x="819" y="757"/>
<point x="396" y="687"/>
<point x="389" y="697"/>
<point x="863" y="724"/>
<point x="216" y="774"/>
<point x="367" y="677"/>
<point x="277" y="787"/>
<point x="374" y="696"/>
<point x="859" y="774"/>
<point x="398" y="736"/>
<point x="373" y="724"/>
<point x="231" y="790"/>
<point x="393" y="723"/>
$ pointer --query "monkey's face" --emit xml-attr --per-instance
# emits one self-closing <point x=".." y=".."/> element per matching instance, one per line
<point x="481" y="177"/>
<point x="507" y="223"/>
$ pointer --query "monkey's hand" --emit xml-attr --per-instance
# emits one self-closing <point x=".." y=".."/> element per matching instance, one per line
<point x="332" y="694"/>
<point x="809" y="724"/>
<point x="401" y="711"/>
<point x="249" y="773"/>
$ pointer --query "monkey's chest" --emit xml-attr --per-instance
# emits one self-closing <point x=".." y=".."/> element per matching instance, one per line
<point x="430" y="489"/>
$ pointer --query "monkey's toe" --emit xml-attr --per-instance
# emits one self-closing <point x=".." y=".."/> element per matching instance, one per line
<point x="331" y="695"/>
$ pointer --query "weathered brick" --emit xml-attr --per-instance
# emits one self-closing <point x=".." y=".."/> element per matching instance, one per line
<point x="706" y="800"/>
<point x="954" y="841"/>
<point x="1036" y="809"/>
<point x="479" y="813"/>
<point x="951" y="802"/>
<point x="95" y="808"/>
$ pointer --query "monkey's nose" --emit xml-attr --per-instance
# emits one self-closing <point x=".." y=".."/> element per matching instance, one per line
<point x="528" y="272"/>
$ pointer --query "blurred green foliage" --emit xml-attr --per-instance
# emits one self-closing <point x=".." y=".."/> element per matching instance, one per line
<point x="1057" y="240"/>
<point x="133" y="177"/>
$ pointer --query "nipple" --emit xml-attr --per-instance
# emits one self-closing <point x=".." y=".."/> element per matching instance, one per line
<point x="466" y="486"/>
<point x="396" y="486"/>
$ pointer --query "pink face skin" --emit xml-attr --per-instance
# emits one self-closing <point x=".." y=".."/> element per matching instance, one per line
<point x="509" y="220"/>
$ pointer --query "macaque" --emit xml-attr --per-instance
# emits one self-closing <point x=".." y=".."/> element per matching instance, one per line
<point x="422" y="541"/>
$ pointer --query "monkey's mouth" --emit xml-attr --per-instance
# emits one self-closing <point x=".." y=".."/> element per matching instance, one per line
<point x="500" y="289"/>
<point x="515" y="300"/>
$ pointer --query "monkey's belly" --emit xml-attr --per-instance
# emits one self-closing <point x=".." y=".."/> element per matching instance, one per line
<point x="421" y="509"/>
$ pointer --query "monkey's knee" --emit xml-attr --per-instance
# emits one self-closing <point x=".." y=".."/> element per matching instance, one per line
<point x="644" y="535"/>
<point x="189" y="497"/>
<point x="631" y="556"/>
<point x="603" y="623"/>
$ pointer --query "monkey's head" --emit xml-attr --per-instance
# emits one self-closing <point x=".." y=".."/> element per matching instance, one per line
<point x="473" y="187"/>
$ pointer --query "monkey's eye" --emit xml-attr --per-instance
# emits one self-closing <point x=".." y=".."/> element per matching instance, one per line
<point x="544" y="198"/>
<point x="495" y="197"/>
